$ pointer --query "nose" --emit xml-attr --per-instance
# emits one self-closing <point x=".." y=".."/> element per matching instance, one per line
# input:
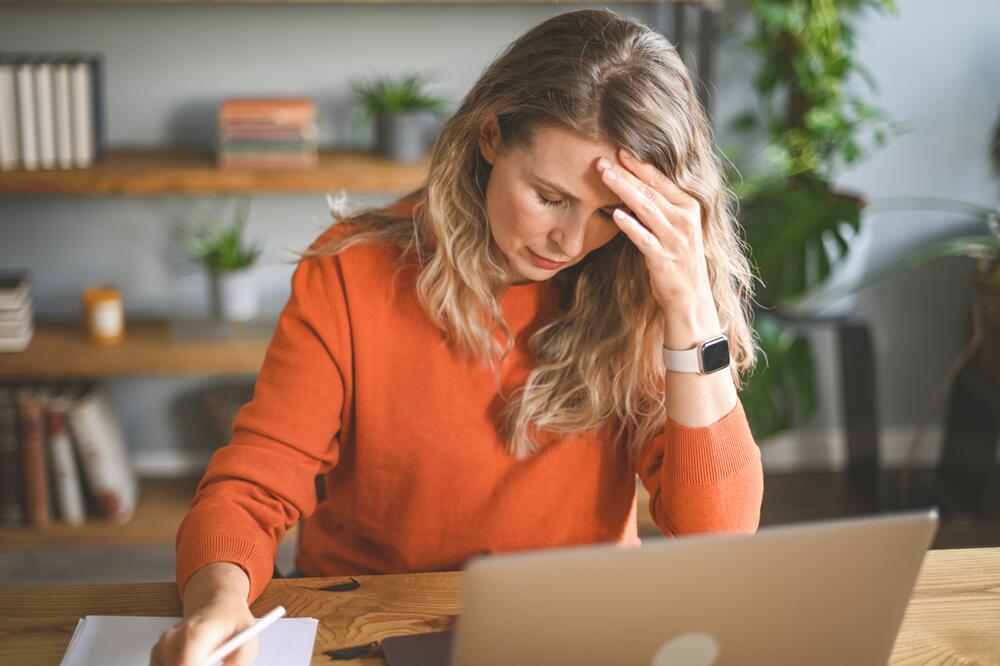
<point x="569" y="236"/>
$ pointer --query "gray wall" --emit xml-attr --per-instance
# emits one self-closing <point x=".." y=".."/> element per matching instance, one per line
<point x="168" y="66"/>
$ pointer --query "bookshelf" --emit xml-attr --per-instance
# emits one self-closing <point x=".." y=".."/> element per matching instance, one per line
<point x="162" y="505"/>
<point x="60" y="350"/>
<point x="170" y="172"/>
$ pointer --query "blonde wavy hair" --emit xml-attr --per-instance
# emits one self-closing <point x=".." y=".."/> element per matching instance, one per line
<point x="599" y="359"/>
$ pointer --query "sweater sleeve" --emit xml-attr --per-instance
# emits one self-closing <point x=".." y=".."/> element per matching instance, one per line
<point x="704" y="479"/>
<point x="263" y="480"/>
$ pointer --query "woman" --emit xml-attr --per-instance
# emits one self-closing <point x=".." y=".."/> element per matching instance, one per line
<point x="480" y="367"/>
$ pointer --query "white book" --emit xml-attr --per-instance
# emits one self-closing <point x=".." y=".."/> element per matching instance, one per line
<point x="15" y="289"/>
<point x="82" y="112"/>
<point x="17" y="344"/>
<point x="26" y="115"/>
<point x="25" y="311"/>
<point x="64" y="127"/>
<point x="10" y="147"/>
<point x="15" y="329"/>
<point x="116" y="640"/>
<point x="46" y="117"/>
<point x="66" y="483"/>
<point x="107" y="467"/>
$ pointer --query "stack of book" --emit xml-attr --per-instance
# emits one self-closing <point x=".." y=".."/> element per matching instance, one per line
<point x="17" y="311"/>
<point x="51" y="110"/>
<point x="62" y="456"/>
<point x="261" y="133"/>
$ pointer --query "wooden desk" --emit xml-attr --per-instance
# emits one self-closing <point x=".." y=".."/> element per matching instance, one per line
<point x="953" y="617"/>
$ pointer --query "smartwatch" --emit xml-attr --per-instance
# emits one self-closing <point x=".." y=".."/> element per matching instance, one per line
<point x="705" y="358"/>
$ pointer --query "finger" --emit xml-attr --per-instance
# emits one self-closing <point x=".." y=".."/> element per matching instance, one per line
<point x="646" y="203"/>
<point x="154" y="660"/>
<point x="196" y="644"/>
<point x="642" y="237"/>
<point x="662" y="183"/>
<point x="243" y="655"/>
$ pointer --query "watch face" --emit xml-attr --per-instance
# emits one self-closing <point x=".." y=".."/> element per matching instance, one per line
<point x="715" y="355"/>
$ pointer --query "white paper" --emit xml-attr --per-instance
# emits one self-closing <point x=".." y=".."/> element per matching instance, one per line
<point x="112" y="640"/>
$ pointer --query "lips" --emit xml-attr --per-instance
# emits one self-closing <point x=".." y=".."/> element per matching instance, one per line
<point x="544" y="261"/>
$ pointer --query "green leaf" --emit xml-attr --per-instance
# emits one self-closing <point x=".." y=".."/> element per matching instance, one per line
<point x="220" y="247"/>
<point x="781" y="390"/>
<point x="786" y="221"/>
<point x="384" y="94"/>
<point x="744" y="122"/>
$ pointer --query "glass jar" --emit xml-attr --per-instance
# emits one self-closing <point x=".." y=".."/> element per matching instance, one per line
<point x="103" y="314"/>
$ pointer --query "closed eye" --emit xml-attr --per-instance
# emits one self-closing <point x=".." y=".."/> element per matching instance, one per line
<point x="557" y="203"/>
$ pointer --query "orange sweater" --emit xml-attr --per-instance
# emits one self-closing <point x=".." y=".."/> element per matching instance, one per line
<point x="360" y="387"/>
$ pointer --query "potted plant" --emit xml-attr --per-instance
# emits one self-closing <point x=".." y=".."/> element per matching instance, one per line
<point x="404" y="113"/>
<point x="229" y="259"/>
<point x="983" y="249"/>
<point x="799" y="227"/>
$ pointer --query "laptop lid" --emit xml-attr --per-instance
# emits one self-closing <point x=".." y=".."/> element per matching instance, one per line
<point x="830" y="592"/>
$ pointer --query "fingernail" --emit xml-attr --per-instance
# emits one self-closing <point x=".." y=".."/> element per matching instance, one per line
<point x="603" y="163"/>
<point x="609" y="174"/>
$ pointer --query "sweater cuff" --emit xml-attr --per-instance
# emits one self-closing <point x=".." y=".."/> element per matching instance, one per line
<point x="256" y="558"/>
<point x="700" y="456"/>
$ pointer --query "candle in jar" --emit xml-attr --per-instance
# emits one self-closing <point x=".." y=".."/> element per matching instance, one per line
<point x="104" y="317"/>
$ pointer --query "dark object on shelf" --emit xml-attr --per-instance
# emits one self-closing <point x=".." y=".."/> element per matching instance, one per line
<point x="223" y="402"/>
<point x="972" y="424"/>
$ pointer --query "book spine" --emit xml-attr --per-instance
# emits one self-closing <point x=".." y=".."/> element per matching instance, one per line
<point x="34" y="462"/>
<point x="10" y="148"/>
<point x="101" y="444"/>
<point x="98" y="102"/>
<point x="267" y="162"/>
<point x="64" y="117"/>
<point x="16" y="292"/>
<point x="11" y="504"/>
<point x="81" y="93"/>
<point x="65" y="477"/>
<point x="46" y="119"/>
<point x="26" y="117"/>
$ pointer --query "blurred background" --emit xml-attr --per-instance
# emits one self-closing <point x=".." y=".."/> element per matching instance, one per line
<point x="163" y="161"/>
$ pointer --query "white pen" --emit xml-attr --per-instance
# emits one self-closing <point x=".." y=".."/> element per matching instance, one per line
<point x="239" y="639"/>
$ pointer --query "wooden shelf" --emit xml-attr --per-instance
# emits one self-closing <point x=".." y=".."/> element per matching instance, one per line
<point x="61" y="351"/>
<point x="156" y="172"/>
<point x="162" y="505"/>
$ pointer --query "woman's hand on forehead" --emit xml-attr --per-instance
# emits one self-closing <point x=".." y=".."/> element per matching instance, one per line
<point x="665" y="224"/>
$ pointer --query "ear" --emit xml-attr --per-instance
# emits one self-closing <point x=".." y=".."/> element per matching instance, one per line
<point x="489" y="138"/>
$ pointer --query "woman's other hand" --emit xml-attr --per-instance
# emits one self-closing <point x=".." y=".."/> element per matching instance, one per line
<point x="215" y="608"/>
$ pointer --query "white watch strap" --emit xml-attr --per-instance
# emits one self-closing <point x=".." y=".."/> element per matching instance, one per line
<point x="681" y="360"/>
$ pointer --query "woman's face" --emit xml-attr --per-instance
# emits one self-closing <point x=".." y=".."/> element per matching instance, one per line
<point x="547" y="201"/>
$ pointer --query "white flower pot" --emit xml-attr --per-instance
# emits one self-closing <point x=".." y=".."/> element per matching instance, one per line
<point x="829" y="299"/>
<point x="234" y="295"/>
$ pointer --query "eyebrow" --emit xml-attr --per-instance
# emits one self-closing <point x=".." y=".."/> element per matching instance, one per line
<point x="555" y="188"/>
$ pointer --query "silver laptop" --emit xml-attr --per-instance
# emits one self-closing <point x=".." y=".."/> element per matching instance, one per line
<point x="830" y="592"/>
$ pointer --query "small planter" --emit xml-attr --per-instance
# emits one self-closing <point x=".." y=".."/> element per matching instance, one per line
<point x="404" y="136"/>
<point x="403" y="112"/>
<point x="234" y="295"/>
